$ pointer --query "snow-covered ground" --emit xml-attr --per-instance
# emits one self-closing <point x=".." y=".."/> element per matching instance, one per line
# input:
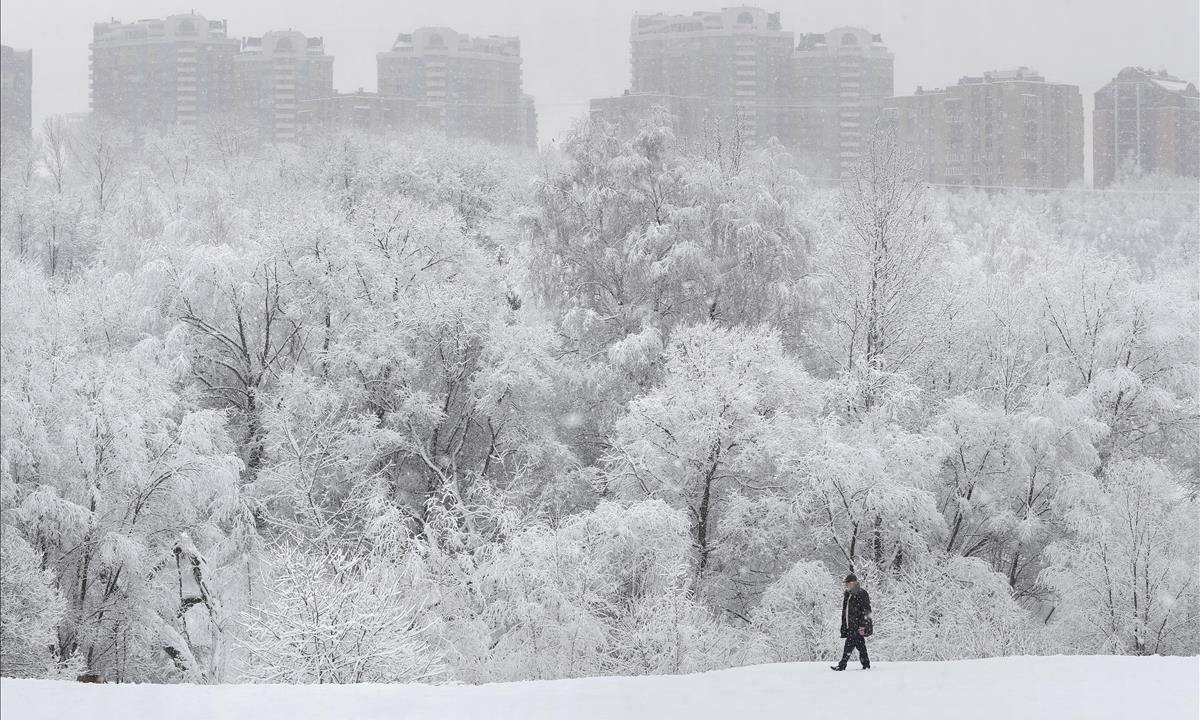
<point x="1062" y="688"/>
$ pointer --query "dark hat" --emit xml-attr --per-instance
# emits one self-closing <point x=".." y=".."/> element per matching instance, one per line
<point x="851" y="578"/>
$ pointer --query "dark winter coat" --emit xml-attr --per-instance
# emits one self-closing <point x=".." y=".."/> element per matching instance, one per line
<point x="856" y="613"/>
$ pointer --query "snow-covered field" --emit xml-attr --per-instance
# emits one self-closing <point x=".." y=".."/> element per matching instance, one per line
<point x="1062" y="688"/>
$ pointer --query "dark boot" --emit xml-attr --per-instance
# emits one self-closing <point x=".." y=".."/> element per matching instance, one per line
<point x="839" y="668"/>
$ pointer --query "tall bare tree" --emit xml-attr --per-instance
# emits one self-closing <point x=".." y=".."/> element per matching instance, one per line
<point x="881" y="265"/>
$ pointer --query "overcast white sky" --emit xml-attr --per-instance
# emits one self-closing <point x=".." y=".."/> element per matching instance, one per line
<point x="575" y="50"/>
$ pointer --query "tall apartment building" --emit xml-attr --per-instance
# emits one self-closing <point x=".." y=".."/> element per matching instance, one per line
<point x="16" y="92"/>
<point x="691" y="116"/>
<point x="840" y="81"/>
<point x="738" y="60"/>
<point x="274" y="74"/>
<point x="468" y="86"/>
<point x="737" y="69"/>
<point x="528" y="124"/>
<point x="172" y="71"/>
<point x="1008" y="128"/>
<point x="360" y="111"/>
<point x="1145" y="121"/>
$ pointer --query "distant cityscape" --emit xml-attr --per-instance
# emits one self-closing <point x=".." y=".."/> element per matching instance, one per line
<point x="733" y="76"/>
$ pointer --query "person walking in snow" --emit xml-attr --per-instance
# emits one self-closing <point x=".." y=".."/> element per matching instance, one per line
<point x="856" y="623"/>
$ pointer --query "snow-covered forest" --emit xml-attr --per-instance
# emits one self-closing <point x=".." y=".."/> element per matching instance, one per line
<point x="428" y="410"/>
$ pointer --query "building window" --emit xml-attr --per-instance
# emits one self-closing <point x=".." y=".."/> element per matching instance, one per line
<point x="745" y="19"/>
<point x="849" y="39"/>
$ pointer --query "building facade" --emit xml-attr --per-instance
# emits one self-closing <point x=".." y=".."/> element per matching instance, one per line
<point x="361" y="111"/>
<point x="274" y="74"/>
<point x="1144" y="122"/>
<point x="472" y="86"/>
<point x="164" y="72"/>
<point x="691" y="117"/>
<point x="1009" y="128"/>
<point x="528" y="122"/>
<point x="16" y="93"/>
<point x="840" y="81"/>
<point x="737" y="61"/>
<point x="737" y="71"/>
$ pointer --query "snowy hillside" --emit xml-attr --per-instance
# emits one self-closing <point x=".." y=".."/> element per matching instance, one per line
<point x="1091" y="688"/>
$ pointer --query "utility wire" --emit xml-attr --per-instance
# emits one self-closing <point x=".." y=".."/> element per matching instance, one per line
<point x="795" y="106"/>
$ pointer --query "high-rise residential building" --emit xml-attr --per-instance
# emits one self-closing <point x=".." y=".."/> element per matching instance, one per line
<point x="472" y="86"/>
<point x="16" y="92"/>
<point x="738" y="60"/>
<point x="1009" y="128"/>
<point x="738" y="71"/>
<point x="1145" y="121"/>
<point x="528" y="122"/>
<point x="158" y="73"/>
<point x="274" y="74"/>
<point x="360" y="111"/>
<point x="840" y="81"/>
<point x="691" y="116"/>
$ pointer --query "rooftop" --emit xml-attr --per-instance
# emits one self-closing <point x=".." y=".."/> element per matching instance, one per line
<point x="1160" y="78"/>
<point x="446" y="40"/>
<point x="841" y="39"/>
<point x="283" y="42"/>
<point x="738" y="18"/>
<point x="169" y="28"/>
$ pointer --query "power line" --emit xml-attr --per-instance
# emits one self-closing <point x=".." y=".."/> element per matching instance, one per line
<point x="728" y="102"/>
<point x="735" y="102"/>
<point x="801" y="106"/>
<point x="1039" y="188"/>
<point x="1116" y="191"/>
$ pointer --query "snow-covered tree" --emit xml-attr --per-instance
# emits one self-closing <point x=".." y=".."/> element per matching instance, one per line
<point x="1126" y="574"/>
<point x="336" y="618"/>
<point x="793" y="621"/>
<point x="949" y="608"/>
<point x="105" y="461"/>
<point x="878" y="270"/>
<point x="732" y="405"/>
<point x="411" y="408"/>
<point x="30" y="611"/>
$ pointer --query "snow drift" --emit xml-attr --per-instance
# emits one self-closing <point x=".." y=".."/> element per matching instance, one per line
<point x="1095" y="688"/>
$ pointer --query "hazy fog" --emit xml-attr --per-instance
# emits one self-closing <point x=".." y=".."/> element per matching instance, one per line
<point x="574" y="51"/>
